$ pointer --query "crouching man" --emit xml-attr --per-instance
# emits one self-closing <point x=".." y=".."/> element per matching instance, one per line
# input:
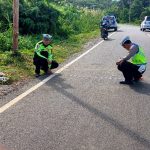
<point x="43" y="57"/>
<point x="133" y="70"/>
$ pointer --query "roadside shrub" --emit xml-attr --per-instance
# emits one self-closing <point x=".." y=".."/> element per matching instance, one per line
<point x="37" y="17"/>
<point x="27" y="42"/>
<point x="6" y="40"/>
<point x="146" y="12"/>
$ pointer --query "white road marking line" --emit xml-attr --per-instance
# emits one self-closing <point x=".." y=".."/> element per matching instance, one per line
<point x="20" y="97"/>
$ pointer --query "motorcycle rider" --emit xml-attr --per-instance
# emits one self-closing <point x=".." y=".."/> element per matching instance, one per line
<point x="104" y="29"/>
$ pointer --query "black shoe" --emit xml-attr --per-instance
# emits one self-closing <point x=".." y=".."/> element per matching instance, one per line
<point x="48" y="73"/>
<point x="126" y="82"/>
<point x="37" y="75"/>
<point x="138" y="79"/>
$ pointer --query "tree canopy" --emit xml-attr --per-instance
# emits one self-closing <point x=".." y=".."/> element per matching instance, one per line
<point x="38" y="16"/>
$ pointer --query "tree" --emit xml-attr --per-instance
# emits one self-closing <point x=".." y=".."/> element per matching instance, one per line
<point x="146" y="12"/>
<point x="15" y="24"/>
<point x="136" y="9"/>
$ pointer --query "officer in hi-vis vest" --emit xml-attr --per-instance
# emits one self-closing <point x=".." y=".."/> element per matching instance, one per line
<point x="43" y="57"/>
<point x="134" y="69"/>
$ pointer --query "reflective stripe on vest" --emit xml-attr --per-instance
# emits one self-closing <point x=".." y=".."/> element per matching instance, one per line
<point x="139" y="58"/>
<point x="40" y="47"/>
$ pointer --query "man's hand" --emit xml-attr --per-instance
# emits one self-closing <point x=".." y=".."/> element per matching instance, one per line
<point x="119" y="62"/>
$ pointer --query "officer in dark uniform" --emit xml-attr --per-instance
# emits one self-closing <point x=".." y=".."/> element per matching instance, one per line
<point x="133" y="69"/>
<point x="43" y="57"/>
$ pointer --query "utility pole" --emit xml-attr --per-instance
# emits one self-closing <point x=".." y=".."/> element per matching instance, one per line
<point x="15" y="25"/>
<point x="129" y="10"/>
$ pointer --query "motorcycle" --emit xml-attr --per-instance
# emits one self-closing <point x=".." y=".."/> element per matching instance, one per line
<point x="104" y="32"/>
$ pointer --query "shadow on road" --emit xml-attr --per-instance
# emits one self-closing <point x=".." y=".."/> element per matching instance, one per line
<point x="147" y="31"/>
<point x="109" y="39"/>
<point x="141" y="87"/>
<point x="60" y="86"/>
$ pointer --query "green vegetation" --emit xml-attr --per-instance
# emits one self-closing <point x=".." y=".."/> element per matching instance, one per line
<point x="130" y="11"/>
<point x="70" y="27"/>
<point x="126" y="11"/>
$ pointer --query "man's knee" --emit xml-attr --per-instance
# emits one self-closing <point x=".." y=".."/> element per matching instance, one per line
<point x="123" y="65"/>
<point x="120" y="67"/>
<point x="54" y="64"/>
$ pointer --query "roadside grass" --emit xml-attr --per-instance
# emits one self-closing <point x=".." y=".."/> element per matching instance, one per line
<point x="21" y="67"/>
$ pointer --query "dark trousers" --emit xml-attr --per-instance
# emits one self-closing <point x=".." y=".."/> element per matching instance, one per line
<point x="42" y="64"/>
<point x="130" y="71"/>
<point x="104" y="32"/>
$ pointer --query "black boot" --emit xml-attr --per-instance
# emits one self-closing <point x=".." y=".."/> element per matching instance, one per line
<point x="126" y="82"/>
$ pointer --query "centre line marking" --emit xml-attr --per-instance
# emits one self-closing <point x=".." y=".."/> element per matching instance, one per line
<point x="21" y="96"/>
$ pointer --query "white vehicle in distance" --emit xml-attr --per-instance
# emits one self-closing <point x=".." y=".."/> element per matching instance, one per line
<point x="145" y="23"/>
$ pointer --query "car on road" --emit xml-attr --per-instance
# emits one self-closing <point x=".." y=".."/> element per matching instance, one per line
<point x="145" y="23"/>
<point x="111" y="21"/>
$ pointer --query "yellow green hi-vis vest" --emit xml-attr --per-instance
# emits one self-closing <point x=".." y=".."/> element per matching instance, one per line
<point x="139" y="58"/>
<point x="41" y="47"/>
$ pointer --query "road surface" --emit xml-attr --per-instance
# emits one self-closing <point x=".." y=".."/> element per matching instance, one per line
<point x="83" y="107"/>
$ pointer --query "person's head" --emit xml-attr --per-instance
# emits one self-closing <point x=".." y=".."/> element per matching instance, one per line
<point x="126" y="43"/>
<point x="47" y="39"/>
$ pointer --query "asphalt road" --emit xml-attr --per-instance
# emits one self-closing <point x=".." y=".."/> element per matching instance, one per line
<point x="84" y="107"/>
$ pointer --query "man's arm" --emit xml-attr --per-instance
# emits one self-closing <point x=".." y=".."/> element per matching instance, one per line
<point x="38" y="51"/>
<point x="134" y="49"/>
